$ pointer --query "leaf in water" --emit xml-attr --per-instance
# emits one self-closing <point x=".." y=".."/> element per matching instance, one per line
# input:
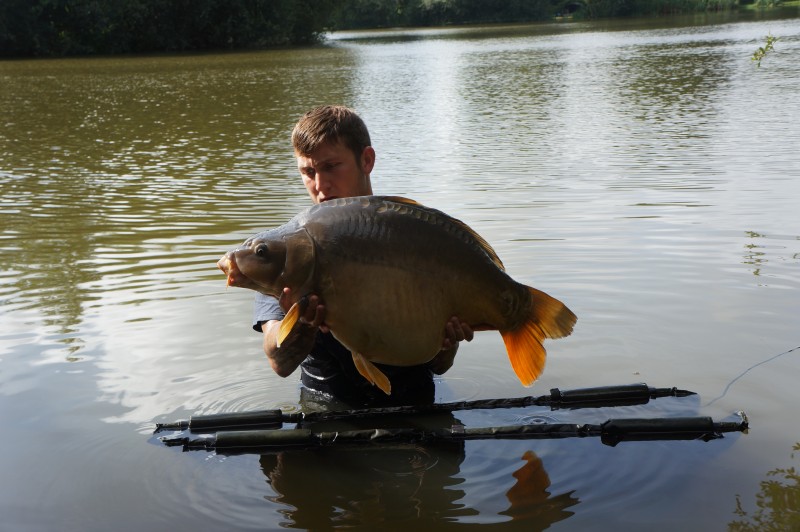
<point x="762" y="51"/>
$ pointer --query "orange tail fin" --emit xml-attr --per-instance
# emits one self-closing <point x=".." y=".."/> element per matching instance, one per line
<point x="549" y="318"/>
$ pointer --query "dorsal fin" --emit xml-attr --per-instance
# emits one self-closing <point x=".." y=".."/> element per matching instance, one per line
<point x="401" y="199"/>
<point x="484" y="245"/>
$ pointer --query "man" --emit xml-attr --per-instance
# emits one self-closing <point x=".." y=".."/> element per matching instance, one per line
<point x="335" y="158"/>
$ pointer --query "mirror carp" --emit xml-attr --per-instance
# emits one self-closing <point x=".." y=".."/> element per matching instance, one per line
<point x="390" y="273"/>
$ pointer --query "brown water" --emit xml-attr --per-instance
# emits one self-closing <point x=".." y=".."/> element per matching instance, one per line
<point x="647" y="173"/>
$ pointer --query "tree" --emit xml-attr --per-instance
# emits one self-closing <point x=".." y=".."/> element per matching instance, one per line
<point x="68" y="27"/>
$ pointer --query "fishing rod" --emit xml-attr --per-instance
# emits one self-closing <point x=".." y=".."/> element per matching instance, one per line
<point x="602" y="396"/>
<point x="610" y="433"/>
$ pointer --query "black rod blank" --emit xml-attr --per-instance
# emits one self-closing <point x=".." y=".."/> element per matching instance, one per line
<point x="623" y="395"/>
<point x="611" y="433"/>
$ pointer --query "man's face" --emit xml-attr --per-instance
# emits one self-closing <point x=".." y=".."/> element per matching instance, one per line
<point x="332" y="171"/>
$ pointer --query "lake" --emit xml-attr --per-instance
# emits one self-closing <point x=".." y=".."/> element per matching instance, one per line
<point x="645" y="172"/>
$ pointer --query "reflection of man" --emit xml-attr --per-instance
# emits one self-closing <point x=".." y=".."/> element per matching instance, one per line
<point x="335" y="159"/>
<point x="424" y="487"/>
<point x="364" y="486"/>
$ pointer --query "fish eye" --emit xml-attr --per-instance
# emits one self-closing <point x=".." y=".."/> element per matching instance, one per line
<point x="261" y="250"/>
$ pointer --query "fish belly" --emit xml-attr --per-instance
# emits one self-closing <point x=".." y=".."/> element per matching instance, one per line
<point x="388" y="314"/>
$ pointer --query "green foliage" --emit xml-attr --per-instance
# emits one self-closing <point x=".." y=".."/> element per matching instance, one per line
<point x="629" y="8"/>
<point x="355" y="14"/>
<point x="397" y="13"/>
<point x="766" y="4"/>
<point x="62" y="27"/>
<point x="762" y="51"/>
<point x="777" y="503"/>
<point x="68" y="27"/>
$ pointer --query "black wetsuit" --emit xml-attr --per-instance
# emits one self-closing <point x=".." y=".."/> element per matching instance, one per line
<point x="329" y="368"/>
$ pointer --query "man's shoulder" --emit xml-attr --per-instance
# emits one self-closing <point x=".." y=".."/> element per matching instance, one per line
<point x="266" y="308"/>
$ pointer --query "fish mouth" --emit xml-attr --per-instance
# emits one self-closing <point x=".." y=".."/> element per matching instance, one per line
<point x="230" y="268"/>
<point x="236" y="277"/>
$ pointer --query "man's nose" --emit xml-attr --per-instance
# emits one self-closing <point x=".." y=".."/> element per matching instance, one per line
<point x="323" y="181"/>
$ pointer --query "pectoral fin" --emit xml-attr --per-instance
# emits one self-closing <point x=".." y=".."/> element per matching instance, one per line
<point x="288" y="322"/>
<point x="370" y="372"/>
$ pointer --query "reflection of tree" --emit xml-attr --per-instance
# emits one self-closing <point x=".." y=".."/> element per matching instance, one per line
<point x="778" y="502"/>
<point x="756" y="257"/>
<point x="753" y="256"/>
<point x="53" y="241"/>
<point x="110" y="170"/>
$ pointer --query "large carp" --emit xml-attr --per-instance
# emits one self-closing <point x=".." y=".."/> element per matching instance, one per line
<point x="391" y="272"/>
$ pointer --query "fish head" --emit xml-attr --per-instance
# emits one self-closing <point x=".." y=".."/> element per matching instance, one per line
<point x="270" y="261"/>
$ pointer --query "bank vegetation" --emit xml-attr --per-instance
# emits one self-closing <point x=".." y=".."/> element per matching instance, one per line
<point x="74" y="27"/>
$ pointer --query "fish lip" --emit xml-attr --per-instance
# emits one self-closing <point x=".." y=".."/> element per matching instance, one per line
<point x="236" y="277"/>
<point x="229" y="267"/>
<point x="224" y="263"/>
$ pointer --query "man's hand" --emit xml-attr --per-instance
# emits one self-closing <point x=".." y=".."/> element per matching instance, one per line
<point x="455" y="331"/>
<point x="296" y="347"/>
<point x="312" y="312"/>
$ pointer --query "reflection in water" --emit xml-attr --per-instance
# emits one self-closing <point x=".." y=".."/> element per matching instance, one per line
<point x="412" y="485"/>
<point x="762" y="249"/>
<point x="530" y="499"/>
<point x="363" y="488"/>
<point x="128" y="175"/>
<point x="777" y="502"/>
<point x="753" y="256"/>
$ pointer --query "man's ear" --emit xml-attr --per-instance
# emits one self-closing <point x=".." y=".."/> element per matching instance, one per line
<point x="367" y="160"/>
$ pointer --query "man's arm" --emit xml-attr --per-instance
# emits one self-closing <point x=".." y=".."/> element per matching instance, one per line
<point x="298" y="344"/>
<point x="294" y="349"/>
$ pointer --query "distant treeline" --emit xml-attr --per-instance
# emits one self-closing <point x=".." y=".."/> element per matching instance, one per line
<point x="360" y="14"/>
<point x="71" y="27"/>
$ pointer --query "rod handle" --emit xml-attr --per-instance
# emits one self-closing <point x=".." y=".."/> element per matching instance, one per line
<point x="258" y="418"/>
